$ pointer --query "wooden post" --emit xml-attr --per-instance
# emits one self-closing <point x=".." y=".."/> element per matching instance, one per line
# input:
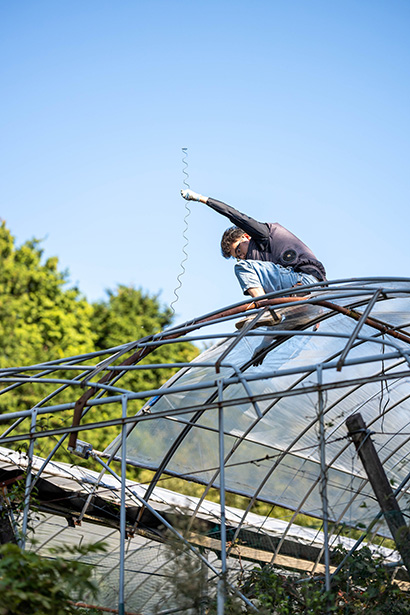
<point x="381" y="486"/>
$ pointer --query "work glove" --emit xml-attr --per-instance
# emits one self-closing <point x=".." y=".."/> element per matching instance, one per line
<point x="190" y="195"/>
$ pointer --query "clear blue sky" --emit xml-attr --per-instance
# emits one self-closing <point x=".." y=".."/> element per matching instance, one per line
<point x="292" y="111"/>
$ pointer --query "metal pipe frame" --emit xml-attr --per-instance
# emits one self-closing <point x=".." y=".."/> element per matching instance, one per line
<point x="340" y="299"/>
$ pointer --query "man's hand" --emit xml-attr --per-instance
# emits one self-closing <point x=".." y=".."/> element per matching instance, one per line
<point x="190" y="195"/>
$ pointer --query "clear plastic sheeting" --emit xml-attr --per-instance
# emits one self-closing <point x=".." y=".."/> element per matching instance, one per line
<point x="271" y="410"/>
<point x="261" y="413"/>
<point x="150" y="564"/>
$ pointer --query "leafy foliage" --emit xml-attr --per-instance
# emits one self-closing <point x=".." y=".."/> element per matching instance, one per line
<point x="130" y="314"/>
<point x="42" y="319"/>
<point x="39" y="319"/>
<point x="30" y="583"/>
<point x="185" y="585"/>
<point x="363" y="585"/>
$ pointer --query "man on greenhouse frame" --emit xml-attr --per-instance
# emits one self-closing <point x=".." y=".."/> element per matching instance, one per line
<point x="269" y="257"/>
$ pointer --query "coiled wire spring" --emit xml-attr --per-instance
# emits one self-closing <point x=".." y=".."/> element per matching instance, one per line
<point x="184" y="233"/>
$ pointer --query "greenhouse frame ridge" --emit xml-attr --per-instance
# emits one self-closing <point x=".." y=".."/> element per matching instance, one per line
<point x="243" y="456"/>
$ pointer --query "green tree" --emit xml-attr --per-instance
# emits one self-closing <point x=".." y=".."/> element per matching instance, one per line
<point x="30" y="583"/>
<point x="40" y="319"/>
<point x="129" y="314"/>
<point x="43" y="319"/>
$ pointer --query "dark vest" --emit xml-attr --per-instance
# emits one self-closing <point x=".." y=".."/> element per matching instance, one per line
<point x="285" y="249"/>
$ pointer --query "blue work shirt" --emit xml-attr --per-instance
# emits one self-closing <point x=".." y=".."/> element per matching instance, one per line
<point x="268" y="275"/>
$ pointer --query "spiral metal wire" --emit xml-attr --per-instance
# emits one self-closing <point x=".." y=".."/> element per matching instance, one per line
<point x="184" y="233"/>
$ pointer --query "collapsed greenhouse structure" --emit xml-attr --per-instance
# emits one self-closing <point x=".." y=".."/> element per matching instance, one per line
<point x="261" y="415"/>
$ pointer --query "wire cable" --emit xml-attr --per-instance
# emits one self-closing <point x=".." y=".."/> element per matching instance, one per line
<point x="184" y="233"/>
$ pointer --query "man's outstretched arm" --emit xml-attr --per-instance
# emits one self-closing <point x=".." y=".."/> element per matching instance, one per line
<point x="256" y="291"/>
<point x="190" y="195"/>
<point x="257" y="230"/>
